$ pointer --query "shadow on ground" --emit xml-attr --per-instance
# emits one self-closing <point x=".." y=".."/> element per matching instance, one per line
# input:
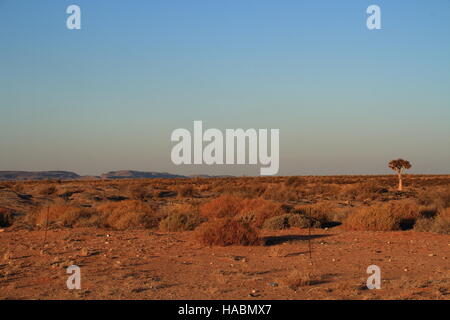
<point x="274" y="240"/>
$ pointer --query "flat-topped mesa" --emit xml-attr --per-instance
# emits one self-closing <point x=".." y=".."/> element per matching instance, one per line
<point x="37" y="175"/>
<point x="131" y="174"/>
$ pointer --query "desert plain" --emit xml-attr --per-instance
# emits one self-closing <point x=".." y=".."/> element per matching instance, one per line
<point x="226" y="238"/>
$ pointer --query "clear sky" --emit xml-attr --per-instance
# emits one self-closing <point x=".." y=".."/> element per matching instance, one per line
<point x="107" y="97"/>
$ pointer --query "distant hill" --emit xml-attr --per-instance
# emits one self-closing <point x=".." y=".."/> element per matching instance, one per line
<point x="208" y="176"/>
<point x="37" y="175"/>
<point x="130" y="174"/>
<point x="68" y="175"/>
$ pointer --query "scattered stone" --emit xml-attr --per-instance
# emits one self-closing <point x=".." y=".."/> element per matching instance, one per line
<point x="239" y="258"/>
<point x="7" y="256"/>
<point x="84" y="252"/>
<point x="273" y="284"/>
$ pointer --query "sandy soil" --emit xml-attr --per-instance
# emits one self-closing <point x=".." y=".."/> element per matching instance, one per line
<point x="155" y="265"/>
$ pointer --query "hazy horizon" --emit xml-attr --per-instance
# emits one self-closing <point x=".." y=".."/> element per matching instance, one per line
<point x="346" y="99"/>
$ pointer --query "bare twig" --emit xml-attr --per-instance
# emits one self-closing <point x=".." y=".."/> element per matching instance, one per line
<point x="46" y="226"/>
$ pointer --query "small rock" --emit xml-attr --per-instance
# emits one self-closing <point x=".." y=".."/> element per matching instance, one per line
<point x="273" y="284"/>
<point x="84" y="252"/>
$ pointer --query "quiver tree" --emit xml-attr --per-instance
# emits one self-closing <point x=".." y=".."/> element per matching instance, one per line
<point x="398" y="166"/>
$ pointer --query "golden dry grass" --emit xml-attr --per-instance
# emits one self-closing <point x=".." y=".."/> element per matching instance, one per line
<point x="227" y="232"/>
<point x="359" y="202"/>
<point x="373" y="219"/>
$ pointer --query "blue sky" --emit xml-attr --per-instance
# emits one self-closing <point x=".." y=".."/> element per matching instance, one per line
<point x="107" y="97"/>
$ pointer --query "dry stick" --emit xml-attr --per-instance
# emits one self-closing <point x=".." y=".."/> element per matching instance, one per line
<point x="309" y="236"/>
<point x="309" y="243"/>
<point x="46" y="226"/>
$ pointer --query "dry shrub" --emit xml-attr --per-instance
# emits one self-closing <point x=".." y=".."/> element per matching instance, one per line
<point x="223" y="206"/>
<point x="181" y="218"/>
<point x="439" y="198"/>
<point x="140" y="192"/>
<point x="409" y="212"/>
<point x="291" y="181"/>
<point x="281" y="193"/>
<point x="373" y="219"/>
<point x="227" y="232"/>
<point x="326" y="189"/>
<point x="424" y="225"/>
<point x="428" y="211"/>
<point x="299" y="278"/>
<point x="186" y="191"/>
<point x="61" y="215"/>
<point x="362" y="191"/>
<point x="205" y="188"/>
<point x="47" y="190"/>
<point x="257" y="211"/>
<point x="438" y="224"/>
<point x="405" y="209"/>
<point x="18" y="187"/>
<point x="129" y="214"/>
<point x="288" y="220"/>
<point x="6" y="217"/>
<point x="442" y="222"/>
<point x="322" y="213"/>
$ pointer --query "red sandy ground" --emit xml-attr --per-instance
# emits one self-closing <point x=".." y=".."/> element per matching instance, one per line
<point x="154" y="265"/>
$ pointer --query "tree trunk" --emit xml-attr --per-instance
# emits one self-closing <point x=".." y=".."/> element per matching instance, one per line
<point x="400" y="182"/>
